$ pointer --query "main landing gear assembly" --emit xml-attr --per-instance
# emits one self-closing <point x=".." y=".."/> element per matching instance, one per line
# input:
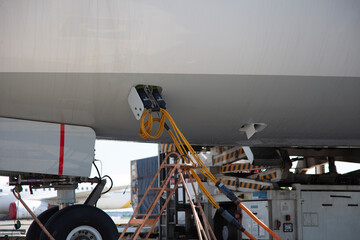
<point x="73" y="222"/>
<point x="79" y="222"/>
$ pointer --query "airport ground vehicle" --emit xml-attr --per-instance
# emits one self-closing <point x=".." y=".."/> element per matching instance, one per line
<point x="304" y="212"/>
<point x="294" y="204"/>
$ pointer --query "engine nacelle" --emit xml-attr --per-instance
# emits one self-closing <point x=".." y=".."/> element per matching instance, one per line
<point x="17" y="210"/>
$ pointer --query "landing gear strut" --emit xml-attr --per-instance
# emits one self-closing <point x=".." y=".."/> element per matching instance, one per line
<point x="75" y="222"/>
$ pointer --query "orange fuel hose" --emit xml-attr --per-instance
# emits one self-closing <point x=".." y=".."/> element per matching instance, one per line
<point x="263" y="225"/>
<point x="183" y="147"/>
<point x="249" y="235"/>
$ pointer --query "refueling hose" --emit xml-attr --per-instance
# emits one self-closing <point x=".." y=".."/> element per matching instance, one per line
<point x="183" y="147"/>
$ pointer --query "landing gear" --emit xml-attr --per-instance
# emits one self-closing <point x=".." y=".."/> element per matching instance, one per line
<point x="71" y="222"/>
<point x="79" y="222"/>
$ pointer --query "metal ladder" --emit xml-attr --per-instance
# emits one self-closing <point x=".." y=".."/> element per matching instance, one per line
<point x="140" y="220"/>
<point x="169" y="218"/>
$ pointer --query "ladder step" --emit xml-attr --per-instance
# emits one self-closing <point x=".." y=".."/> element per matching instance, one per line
<point x="186" y="165"/>
<point x="143" y="215"/>
<point x="159" y="189"/>
<point x="141" y="221"/>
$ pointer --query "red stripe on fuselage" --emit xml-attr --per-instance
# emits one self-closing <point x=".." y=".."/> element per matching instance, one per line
<point x="61" y="153"/>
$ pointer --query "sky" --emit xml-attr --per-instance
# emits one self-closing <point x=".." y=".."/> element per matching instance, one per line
<point x="115" y="157"/>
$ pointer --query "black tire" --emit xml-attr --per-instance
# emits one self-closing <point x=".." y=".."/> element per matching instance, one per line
<point x="34" y="230"/>
<point x="83" y="221"/>
<point x="219" y="223"/>
<point x="229" y="231"/>
<point x="222" y="229"/>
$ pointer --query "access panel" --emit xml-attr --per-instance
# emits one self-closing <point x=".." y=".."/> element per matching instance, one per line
<point x="45" y="148"/>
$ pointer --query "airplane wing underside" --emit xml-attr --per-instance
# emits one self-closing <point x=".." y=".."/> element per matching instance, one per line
<point x="292" y="66"/>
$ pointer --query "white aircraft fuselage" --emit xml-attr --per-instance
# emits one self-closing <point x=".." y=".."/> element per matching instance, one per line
<point x="292" y="65"/>
<point x="41" y="199"/>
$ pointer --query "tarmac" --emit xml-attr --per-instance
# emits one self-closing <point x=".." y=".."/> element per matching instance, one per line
<point x="9" y="232"/>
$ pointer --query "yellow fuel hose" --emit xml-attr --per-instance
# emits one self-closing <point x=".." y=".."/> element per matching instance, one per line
<point x="183" y="147"/>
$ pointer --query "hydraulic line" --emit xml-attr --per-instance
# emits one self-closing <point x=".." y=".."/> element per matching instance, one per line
<point x="183" y="147"/>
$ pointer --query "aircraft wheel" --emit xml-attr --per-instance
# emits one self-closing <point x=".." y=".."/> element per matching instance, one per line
<point x="81" y="222"/>
<point x="222" y="229"/>
<point x="229" y="232"/>
<point x="34" y="230"/>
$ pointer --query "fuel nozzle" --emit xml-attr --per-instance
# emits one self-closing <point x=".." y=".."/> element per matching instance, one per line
<point x="144" y="98"/>
<point x="158" y="98"/>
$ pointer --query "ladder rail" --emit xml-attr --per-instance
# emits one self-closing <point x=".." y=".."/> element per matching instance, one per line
<point x="153" y="204"/>
<point x="198" y="224"/>
<point x="163" y="207"/>
<point x="208" y="229"/>
<point x="147" y="191"/>
<point x="181" y="169"/>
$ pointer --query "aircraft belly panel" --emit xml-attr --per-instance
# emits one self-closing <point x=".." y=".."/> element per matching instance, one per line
<point x="45" y="148"/>
<point x="209" y="109"/>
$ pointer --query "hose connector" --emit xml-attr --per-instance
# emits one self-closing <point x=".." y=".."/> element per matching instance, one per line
<point x="221" y="186"/>
<point x="230" y="219"/>
<point x="145" y="97"/>
<point x="158" y="98"/>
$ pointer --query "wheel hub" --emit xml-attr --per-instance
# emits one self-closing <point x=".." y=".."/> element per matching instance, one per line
<point x="84" y="233"/>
